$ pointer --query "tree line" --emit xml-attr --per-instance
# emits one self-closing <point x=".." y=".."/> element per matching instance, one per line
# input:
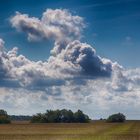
<point x="20" y="117"/>
<point x="57" y="116"/>
<point x="60" y="116"/>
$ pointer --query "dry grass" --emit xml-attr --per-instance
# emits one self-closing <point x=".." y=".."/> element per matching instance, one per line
<point x="97" y="130"/>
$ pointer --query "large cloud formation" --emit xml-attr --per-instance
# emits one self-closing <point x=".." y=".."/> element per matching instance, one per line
<point x="72" y="76"/>
<point x="76" y="60"/>
<point x="64" y="28"/>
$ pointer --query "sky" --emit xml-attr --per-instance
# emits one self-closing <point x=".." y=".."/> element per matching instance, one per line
<point x="70" y="54"/>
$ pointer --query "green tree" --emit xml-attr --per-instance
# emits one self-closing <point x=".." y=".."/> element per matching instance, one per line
<point x="67" y="116"/>
<point x="38" y="118"/>
<point x="79" y="116"/>
<point x="53" y="116"/>
<point x="119" y="117"/>
<point x="4" y="118"/>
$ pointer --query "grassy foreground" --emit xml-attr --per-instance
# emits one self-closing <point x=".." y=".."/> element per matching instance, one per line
<point x="98" y="130"/>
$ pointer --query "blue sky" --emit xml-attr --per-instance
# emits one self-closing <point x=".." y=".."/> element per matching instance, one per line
<point x="112" y="27"/>
<point x="70" y="54"/>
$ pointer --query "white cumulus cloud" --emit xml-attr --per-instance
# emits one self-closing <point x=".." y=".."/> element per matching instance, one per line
<point x="55" y="24"/>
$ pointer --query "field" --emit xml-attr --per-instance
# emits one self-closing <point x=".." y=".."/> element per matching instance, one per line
<point x="97" y="130"/>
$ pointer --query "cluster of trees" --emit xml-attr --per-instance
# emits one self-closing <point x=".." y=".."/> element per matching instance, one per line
<point x="4" y="118"/>
<point x="119" y="117"/>
<point x="60" y="116"/>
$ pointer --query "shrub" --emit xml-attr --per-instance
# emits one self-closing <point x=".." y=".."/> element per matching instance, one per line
<point x="119" y="117"/>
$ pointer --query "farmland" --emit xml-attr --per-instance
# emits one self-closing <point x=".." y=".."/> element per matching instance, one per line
<point x="97" y="130"/>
